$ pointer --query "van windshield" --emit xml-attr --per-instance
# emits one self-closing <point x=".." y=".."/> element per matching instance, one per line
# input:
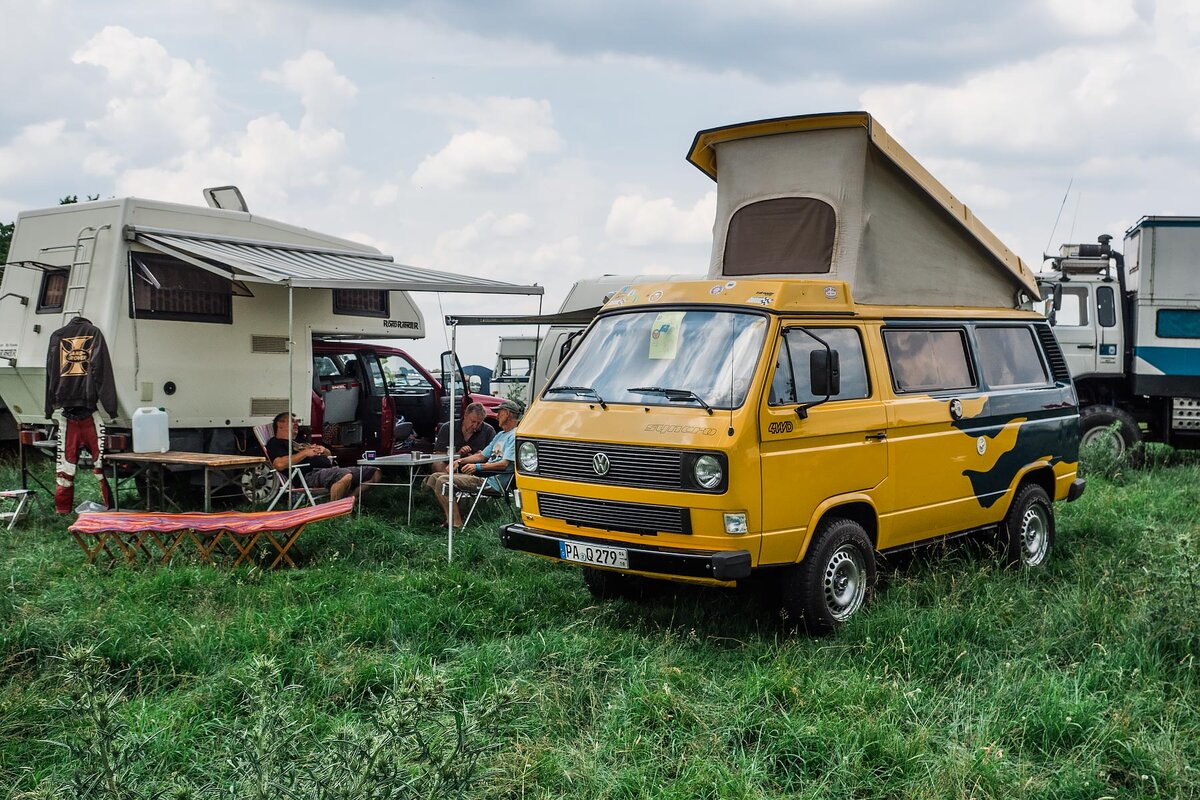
<point x="701" y="358"/>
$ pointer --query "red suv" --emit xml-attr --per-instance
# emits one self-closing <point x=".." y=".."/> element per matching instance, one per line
<point x="361" y="390"/>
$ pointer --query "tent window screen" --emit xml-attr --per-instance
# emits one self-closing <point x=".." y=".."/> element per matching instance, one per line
<point x="167" y="288"/>
<point x="361" y="302"/>
<point x="54" y="291"/>
<point x="785" y="236"/>
<point x="928" y="360"/>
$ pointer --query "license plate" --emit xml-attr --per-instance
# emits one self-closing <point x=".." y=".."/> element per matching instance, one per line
<point x="597" y="554"/>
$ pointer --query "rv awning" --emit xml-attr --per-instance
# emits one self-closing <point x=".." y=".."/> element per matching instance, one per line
<point x="581" y="316"/>
<point x="314" y="267"/>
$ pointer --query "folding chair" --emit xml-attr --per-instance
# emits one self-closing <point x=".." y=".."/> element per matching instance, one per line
<point x="295" y="494"/>
<point x="21" y="499"/>
<point x="508" y="484"/>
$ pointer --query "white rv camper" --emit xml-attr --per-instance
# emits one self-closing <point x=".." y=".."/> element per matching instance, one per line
<point x="197" y="306"/>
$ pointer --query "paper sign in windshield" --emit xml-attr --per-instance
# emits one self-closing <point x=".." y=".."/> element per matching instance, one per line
<point x="664" y="335"/>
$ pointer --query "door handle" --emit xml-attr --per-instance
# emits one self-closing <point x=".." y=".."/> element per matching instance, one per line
<point x="1086" y="346"/>
<point x="876" y="437"/>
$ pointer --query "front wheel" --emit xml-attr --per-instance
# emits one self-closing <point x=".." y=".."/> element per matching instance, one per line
<point x="834" y="581"/>
<point x="1028" y="529"/>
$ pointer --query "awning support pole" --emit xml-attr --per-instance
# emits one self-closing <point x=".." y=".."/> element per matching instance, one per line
<point x="450" y="376"/>
<point x="291" y="354"/>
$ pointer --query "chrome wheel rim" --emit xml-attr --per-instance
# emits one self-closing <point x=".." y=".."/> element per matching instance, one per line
<point x="844" y="582"/>
<point x="1035" y="535"/>
<point x="1100" y="434"/>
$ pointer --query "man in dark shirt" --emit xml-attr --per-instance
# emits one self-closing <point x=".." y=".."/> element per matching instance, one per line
<point x="473" y="435"/>
<point x="322" y="473"/>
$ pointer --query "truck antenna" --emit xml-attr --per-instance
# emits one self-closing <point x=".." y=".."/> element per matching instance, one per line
<point x="1058" y="216"/>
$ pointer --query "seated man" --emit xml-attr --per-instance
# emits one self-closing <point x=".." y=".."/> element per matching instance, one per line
<point x="322" y="474"/>
<point x="472" y="437"/>
<point x="471" y="471"/>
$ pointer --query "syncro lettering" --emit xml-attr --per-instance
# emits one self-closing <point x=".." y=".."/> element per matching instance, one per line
<point x="655" y="428"/>
<point x="399" y="323"/>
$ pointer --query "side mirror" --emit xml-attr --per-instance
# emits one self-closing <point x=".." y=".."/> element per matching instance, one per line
<point x="825" y="374"/>
<point x="1057" y="292"/>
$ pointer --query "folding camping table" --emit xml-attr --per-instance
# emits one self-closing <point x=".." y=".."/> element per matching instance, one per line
<point x="154" y="465"/>
<point x="411" y="461"/>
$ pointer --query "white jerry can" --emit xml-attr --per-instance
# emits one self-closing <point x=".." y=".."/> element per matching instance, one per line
<point x="150" y="431"/>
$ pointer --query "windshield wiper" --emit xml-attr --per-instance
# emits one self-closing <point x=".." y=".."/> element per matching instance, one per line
<point x="674" y="395"/>
<point x="587" y="390"/>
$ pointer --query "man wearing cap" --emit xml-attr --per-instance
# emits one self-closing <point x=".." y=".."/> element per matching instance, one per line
<point x="493" y="462"/>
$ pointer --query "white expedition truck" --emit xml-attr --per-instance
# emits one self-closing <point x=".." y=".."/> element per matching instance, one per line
<point x="1129" y="326"/>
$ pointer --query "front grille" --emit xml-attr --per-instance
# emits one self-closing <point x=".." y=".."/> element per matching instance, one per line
<point x="1058" y="364"/>
<point x="608" y="515"/>
<point x="643" y="467"/>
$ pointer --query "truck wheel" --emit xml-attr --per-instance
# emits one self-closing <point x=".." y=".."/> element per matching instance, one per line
<point x="1028" y="529"/>
<point x="1094" y="422"/>
<point x="834" y="581"/>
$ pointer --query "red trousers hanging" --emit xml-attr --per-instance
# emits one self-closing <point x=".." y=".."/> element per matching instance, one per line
<point x="74" y="436"/>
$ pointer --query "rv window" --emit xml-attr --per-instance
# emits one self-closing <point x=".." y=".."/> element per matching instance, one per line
<point x="844" y="341"/>
<point x="361" y="302"/>
<point x="54" y="290"/>
<point x="784" y="236"/>
<point x="928" y="360"/>
<point x="516" y="368"/>
<point x="1008" y="357"/>
<point x="1074" y="310"/>
<point x="167" y="288"/>
<point x="1106" y="307"/>
<point x="1178" y="323"/>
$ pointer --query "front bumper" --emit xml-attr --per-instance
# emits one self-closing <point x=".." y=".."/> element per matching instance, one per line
<point x="726" y="565"/>
<point x="1076" y="490"/>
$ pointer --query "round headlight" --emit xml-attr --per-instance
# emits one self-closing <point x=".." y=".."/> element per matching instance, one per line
<point x="707" y="470"/>
<point x="527" y="457"/>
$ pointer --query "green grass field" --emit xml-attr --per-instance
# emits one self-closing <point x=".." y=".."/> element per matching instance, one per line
<point x="377" y="670"/>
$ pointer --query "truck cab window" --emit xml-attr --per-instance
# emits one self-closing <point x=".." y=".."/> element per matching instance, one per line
<point x="844" y="341"/>
<point x="1106" y="307"/>
<point x="928" y="360"/>
<point x="1074" y="310"/>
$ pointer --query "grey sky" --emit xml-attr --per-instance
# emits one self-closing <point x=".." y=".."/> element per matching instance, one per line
<point x="545" y="141"/>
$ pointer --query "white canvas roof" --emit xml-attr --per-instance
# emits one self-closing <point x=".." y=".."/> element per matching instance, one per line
<point x="304" y="266"/>
<point x="834" y="195"/>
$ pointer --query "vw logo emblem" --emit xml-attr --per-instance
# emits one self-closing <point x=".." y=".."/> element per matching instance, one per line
<point x="600" y="463"/>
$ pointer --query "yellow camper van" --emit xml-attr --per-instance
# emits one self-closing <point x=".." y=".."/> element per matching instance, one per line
<point x="833" y="390"/>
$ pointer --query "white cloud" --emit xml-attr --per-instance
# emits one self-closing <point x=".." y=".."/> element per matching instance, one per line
<point x="315" y="79"/>
<point x="154" y="95"/>
<point x="507" y="131"/>
<point x="1094" y="17"/>
<point x="450" y="245"/>
<point x="634" y="220"/>
<point x="512" y="225"/>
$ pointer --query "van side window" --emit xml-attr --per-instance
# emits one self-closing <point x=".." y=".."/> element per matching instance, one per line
<point x="167" y="288"/>
<point x="928" y="360"/>
<point x="844" y="341"/>
<point x="1106" y="307"/>
<point x="53" y="292"/>
<point x="1074" y="310"/>
<point x="1008" y="357"/>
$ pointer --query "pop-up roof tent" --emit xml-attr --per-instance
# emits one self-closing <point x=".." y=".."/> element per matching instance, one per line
<point x="834" y="195"/>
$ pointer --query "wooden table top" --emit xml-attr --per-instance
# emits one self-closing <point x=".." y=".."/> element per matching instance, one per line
<point x="211" y="460"/>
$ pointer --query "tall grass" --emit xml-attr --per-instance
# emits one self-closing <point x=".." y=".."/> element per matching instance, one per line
<point x="377" y="668"/>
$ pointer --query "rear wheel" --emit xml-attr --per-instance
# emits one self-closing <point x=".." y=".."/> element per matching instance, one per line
<point x="1096" y="425"/>
<point x="1028" y="530"/>
<point x="834" y="581"/>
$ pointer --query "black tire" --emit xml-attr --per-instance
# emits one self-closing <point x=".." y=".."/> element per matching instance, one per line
<point x="835" y="580"/>
<point x="1094" y="422"/>
<point x="1027" y="535"/>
